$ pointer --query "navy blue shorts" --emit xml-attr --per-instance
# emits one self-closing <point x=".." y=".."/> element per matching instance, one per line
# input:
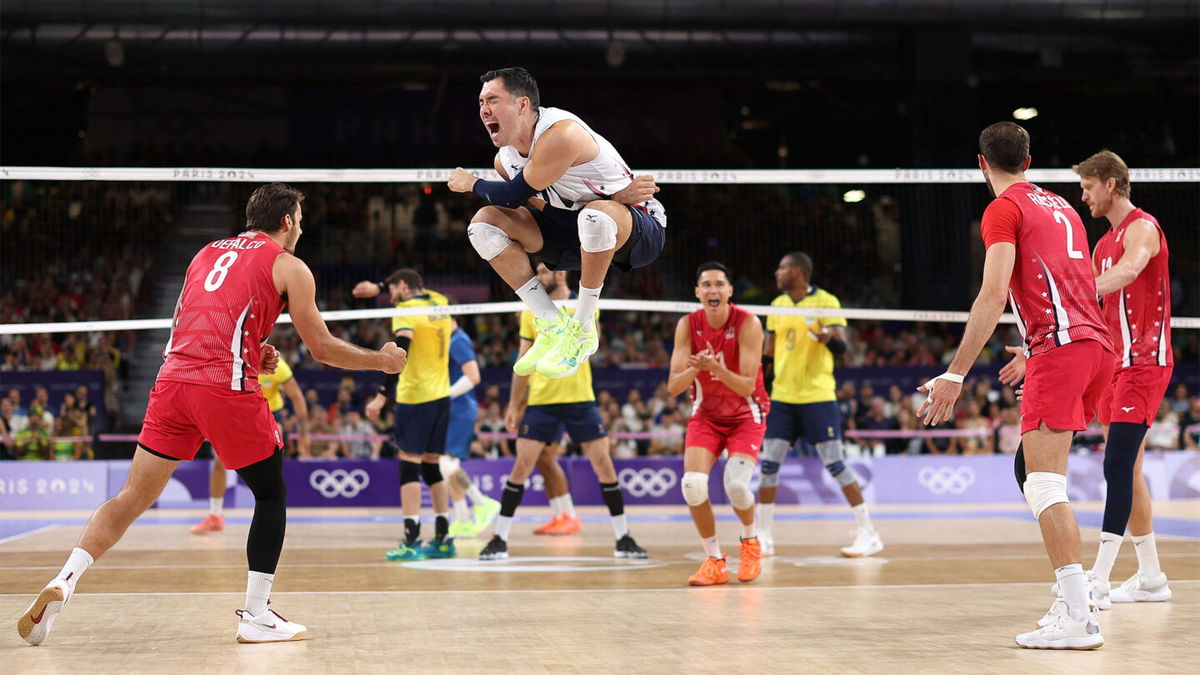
<point x="461" y="429"/>
<point x="814" y="422"/>
<point x="421" y="427"/>
<point x="560" y="239"/>
<point x="544" y="423"/>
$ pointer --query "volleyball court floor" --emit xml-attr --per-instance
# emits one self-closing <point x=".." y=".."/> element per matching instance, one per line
<point x="950" y="590"/>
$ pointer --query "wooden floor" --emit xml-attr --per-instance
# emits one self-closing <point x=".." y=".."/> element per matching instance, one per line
<point x="948" y="593"/>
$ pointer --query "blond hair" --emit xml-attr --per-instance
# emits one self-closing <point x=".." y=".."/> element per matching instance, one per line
<point x="1104" y="165"/>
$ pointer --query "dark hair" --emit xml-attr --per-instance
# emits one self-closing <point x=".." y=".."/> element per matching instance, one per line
<point x="712" y="265"/>
<point x="1104" y="165"/>
<point x="1005" y="146"/>
<point x="518" y="82"/>
<point x="408" y="276"/>
<point x="269" y="204"/>
<point x="801" y="260"/>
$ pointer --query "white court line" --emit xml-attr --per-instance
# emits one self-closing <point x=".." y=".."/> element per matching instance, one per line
<point x="784" y="558"/>
<point x="26" y="534"/>
<point x="681" y="589"/>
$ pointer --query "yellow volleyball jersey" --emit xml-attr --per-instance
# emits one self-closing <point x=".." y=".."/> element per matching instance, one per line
<point x="803" y="366"/>
<point x="272" y="385"/>
<point x="426" y="377"/>
<point x="575" y="388"/>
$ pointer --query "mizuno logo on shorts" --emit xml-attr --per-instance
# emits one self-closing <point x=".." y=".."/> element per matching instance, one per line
<point x="1129" y="408"/>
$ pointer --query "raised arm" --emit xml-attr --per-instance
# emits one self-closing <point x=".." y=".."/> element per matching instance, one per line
<point x="682" y="374"/>
<point x="295" y="281"/>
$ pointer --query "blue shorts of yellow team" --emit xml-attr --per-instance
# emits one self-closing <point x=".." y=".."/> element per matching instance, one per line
<point x="814" y="422"/>
<point x="544" y="423"/>
<point x="462" y="426"/>
<point x="421" y="427"/>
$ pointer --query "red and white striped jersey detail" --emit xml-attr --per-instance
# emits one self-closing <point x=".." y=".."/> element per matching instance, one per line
<point x="1138" y="316"/>
<point x="710" y="396"/>
<point x="1052" y="290"/>
<point x="227" y="309"/>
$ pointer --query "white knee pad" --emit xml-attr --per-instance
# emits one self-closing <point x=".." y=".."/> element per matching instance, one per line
<point x="597" y="231"/>
<point x="695" y="488"/>
<point x="738" y="471"/>
<point x="449" y="465"/>
<point x="488" y="240"/>
<point x="1043" y="490"/>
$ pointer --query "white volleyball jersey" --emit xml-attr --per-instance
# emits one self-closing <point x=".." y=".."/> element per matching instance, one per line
<point x="597" y="179"/>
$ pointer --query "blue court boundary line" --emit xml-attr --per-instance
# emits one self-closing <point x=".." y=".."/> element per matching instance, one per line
<point x="1174" y="527"/>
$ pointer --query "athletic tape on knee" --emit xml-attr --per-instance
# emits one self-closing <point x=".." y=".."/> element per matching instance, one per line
<point x="834" y="456"/>
<point x="449" y="465"/>
<point x="1043" y="490"/>
<point x="410" y="472"/>
<point x="489" y="241"/>
<point x="738" y="471"/>
<point x="597" y="231"/>
<point x="695" y="488"/>
<point x="431" y="472"/>
<point x="771" y="457"/>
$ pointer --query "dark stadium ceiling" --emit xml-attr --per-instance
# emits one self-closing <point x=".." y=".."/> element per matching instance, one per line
<point x="372" y="39"/>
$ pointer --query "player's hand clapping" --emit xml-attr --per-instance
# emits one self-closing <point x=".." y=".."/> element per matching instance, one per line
<point x="640" y="190"/>
<point x="1013" y="371"/>
<point x="461" y="180"/>
<point x="394" y="359"/>
<point x="705" y="360"/>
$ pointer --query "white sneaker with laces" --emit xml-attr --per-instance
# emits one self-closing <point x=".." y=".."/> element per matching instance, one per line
<point x="1057" y="609"/>
<point x="1100" y="591"/>
<point x="1066" y="633"/>
<point x="34" y="625"/>
<point x="267" y="627"/>
<point x="866" y="542"/>
<point x="1138" y="588"/>
<point x="766" y="541"/>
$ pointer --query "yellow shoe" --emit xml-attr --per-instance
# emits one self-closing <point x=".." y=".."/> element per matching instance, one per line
<point x="548" y="333"/>
<point x="571" y="350"/>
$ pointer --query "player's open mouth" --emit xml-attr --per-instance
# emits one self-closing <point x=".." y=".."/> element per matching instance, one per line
<point x="714" y="302"/>
<point x="493" y="128"/>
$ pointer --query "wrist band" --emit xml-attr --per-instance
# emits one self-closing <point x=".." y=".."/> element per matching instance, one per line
<point x="952" y="377"/>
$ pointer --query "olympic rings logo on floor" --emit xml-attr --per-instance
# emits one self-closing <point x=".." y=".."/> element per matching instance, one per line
<point x="946" y="479"/>
<point x="339" y="482"/>
<point x="647" y="482"/>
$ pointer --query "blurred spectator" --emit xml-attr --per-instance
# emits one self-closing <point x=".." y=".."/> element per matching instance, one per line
<point x="875" y="420"/>
<point x="1179" y="399"/>
<point x="492" y="421"/>
<point x="33" y="442"/>
<point x="671" y="430"/>
<point x="1189" y="439"/>
<point x="355" y="425"/>
<point x="1009" y="431"/>
<point x="1162" y="436"/>
<point x="974" y="419"/>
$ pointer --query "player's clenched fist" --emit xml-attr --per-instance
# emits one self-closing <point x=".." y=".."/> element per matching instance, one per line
<point x="641" y="189"/>
<point x="394" y="358"/>
<point x="461" y="180"/>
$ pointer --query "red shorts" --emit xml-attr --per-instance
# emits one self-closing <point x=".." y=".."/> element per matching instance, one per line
<point x="1135" y="394"/>
<point x="181" y="416"/>
<point x="1063" y="386"/>
<point x="744" y="436"/>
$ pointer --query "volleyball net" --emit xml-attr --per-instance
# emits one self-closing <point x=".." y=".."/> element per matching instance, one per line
<point x="91" y="259"/>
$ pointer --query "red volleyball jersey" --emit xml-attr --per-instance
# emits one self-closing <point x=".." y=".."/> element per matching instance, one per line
<point x="1139" y="315"/>
<point x="711" y="397"/>
<point x="1052" y="291"/>
<point x="228" y="307"/>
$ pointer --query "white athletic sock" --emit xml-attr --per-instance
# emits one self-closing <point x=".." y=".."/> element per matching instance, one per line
<point x="258" y="590"/>
<point x="1147" y="554"/>
<point x="711" y="548"/>
<point x="216" y="505"/>
<point x="863" y="518"/>
<point x="620" y="526"/>
<point x="556" y="506"/>
<point x="749" y="531"/>
<point x="1106" y="555"/>
<point x="474" y="494"/>
<point x="533" y="294"/>
<point x="461" y="513"/>
<point x="77" y="563"/>
<point x="1072" y="582"/>
<point x="585" y="313"/>
<point x="568" y="504"/>
<point x="503" y="525"/>
<point x="766" y="516"/>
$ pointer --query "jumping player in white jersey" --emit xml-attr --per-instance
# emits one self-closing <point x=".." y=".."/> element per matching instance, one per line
<point x="569" y="199"/>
